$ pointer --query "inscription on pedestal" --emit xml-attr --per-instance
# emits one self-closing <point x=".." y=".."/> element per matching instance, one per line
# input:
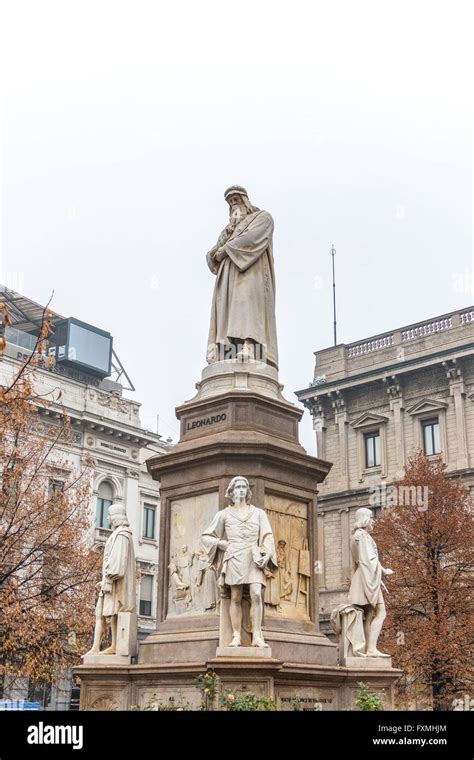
<point x="308" y="700"/>
<point x="206" y="421"/>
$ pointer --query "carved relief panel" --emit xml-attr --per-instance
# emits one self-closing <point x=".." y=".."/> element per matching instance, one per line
<point x="287" y="592"/>
<point x="192" y="586"/>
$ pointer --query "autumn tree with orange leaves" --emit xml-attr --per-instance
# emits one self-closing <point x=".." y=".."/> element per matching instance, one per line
<point x="47" y="569"/>
<point x="430" y="546"/>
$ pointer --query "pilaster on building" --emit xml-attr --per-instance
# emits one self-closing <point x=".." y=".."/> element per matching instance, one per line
<point x="374" y="404"/>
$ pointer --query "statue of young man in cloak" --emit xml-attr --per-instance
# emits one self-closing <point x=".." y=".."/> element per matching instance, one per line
<point x="117" y="589"/>
<point x="366" y="582"/>
<point x="365" y="607"/>
<point x="243" y="306"/>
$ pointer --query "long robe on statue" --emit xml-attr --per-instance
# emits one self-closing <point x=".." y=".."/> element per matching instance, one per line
<point x="243" y="304"/>
<point x="119" y="568"/>
<point x="366" y="583"/>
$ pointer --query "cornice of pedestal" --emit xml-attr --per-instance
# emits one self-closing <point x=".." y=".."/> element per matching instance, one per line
<point x="216" y="450"/>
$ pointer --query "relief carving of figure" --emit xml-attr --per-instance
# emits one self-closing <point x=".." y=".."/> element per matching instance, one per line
<point x="180" y="587"/>
<point x="206" y="579"/>
<point x="280" y="582"/>
<point x="183" y="561"/>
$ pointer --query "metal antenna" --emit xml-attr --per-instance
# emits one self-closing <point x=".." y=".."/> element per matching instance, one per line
<point x="333" y="253"/>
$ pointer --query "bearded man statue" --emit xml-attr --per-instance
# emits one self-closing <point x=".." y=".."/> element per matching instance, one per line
<point x="243" y="322"/>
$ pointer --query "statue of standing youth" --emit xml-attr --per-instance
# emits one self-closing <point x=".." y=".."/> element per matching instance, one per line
<point x="367" y="583"/>
<point x="243" y="534"/>
<point x="243" y="305"/>
<point x="118" y="585"/>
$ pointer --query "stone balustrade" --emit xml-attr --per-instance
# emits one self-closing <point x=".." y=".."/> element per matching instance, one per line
<point x="427" y="328"/>
<point x="410" y="333"/>
<point x="466" y="317"/>
<point x="368" y="346"/>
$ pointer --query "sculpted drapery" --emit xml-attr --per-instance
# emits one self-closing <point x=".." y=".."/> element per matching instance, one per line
<point x="119" y="569"/>
<point x="243" y="305"/>
<point x="360" y="620"/>
<point x="367" y="579"/>
<point x="248" y="536"/>
<point x="118" y="586"/>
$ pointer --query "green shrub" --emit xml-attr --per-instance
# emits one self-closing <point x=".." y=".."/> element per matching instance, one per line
<point x="367" y="701"/>
<point x="208" y="683"/>
<point x="246" y="702"/>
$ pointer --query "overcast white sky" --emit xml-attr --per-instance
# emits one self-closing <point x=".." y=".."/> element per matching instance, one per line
<point x="123" y="123"/>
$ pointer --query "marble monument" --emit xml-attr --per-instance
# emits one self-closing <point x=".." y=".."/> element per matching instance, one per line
<point x="237" y="584"/>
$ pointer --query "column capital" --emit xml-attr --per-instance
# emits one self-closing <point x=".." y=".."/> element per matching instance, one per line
<point x="393" y="387"/>
<point x="337" y="401"/>
<point x="453" y="372"/>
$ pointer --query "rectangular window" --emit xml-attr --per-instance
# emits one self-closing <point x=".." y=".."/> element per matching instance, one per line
<point x="55" y="487"/>
<point x="49" y="573"/>
<point x="431" y="436"/>
<point x="102" y="513"/>
<point x="146" y="595"/>
<point x="149" y="511"/>
<point x="372" y="449"/>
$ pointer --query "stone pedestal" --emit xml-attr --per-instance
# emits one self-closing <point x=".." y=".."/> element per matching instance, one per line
<point x="115" y="687"/>
<point x="126" y="647"/>
<point x="367" y="663"/>
<point x="236" y="374"/>
<point x="127" y="634"/>
<point x="106" y="659"/>
<point x="253" y="653"/>
<point x="237" y="424"/>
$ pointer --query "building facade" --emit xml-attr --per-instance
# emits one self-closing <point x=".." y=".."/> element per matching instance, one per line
<point x="106" y="425"/>
<point x="374" y="404"/>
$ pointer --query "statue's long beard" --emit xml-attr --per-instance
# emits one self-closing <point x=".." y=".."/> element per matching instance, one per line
<point x="236" y="215"/>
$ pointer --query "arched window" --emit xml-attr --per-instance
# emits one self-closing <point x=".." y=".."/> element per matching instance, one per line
<point x="105" y="497"/>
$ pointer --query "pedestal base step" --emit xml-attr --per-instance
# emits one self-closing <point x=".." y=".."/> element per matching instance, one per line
<point x="106" y="659"/>
<point x="367" y="663"/>
<point x="253" y="652"/>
